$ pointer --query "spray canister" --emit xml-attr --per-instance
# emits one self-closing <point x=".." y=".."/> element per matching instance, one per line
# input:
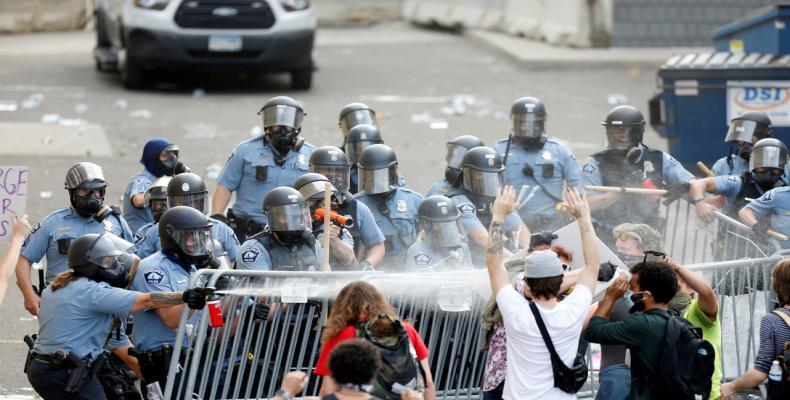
<point x="214" y="312"/>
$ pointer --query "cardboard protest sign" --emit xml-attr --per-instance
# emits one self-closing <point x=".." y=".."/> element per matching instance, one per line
<point x="13" y="196"/>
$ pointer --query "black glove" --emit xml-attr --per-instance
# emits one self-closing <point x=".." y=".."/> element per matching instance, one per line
<point x="220" y="218"/>
<point x="606" y="272"/>
<point x="180" y="168"/>
<point x="196" y="298"/>
<point x="676" y="191"/>
<point x="541" y="239"/>
<point x="761" y="228"/>
<point x="261" y="311"/>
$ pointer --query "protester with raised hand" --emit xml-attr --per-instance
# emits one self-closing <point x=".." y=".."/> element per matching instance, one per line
<point x="20" y="228"/>
<point x="529" y="370"/>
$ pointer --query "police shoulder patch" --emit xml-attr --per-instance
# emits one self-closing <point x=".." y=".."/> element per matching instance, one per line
<point x="466" y="208"/>
<point x="422" y="259"/>
<point x="589" y="169"/>
<point x="733" y="178"/>
<point x="154" y="276"/>
<point x="250" y="254"/>
<point x="767" y="196"/>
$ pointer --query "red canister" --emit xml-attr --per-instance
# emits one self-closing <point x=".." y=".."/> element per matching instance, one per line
<point x="215" y="313"/>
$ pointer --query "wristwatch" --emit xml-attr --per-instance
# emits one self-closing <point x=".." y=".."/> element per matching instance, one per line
<point x="695" y="201"/>
<point x="282" y="393"/>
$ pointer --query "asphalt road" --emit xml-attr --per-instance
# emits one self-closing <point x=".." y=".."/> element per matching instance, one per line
<point x="403" y="72"/>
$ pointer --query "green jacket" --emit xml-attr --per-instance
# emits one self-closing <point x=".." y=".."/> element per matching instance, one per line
<point x="643" y="334"/>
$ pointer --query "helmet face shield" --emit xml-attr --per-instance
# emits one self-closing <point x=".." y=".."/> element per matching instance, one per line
<point x="454" y="155"/>
<point x="194" y="242"/>
<point x="357" y="117"/>
<point x="314" y="190"/>
<point x="194" y="200"/>
<point x="288" y="217"/>
<point x="482" y="183"/>
<point x="282" y="114"/>
<point x="528" y="125"/>
<point x="768" y="157"/>
<point x="743" y="130"/>
<point x="374" y="181"/>
<point x="623" y="137"/>
<point x="446" y="234"/>
<point x="354" y="149"/>
<point x="339" y="175"/>
<point x="85" y="175"/>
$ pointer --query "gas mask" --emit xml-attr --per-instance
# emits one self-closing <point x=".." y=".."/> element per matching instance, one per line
<point x="121" y="272"/>
<point x="453" y="176"/>
<point x="284" y="138"/>
<point x="766" y="179"/>
<point x="530" y="142"/>
<point x="173" y="165"/>
<point x="89" y="204"/>
<point x="289" y="238"/>
<point x="745" y="150"/>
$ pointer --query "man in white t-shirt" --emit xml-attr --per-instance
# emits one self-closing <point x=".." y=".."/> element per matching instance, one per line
<point x="529" y="371"/>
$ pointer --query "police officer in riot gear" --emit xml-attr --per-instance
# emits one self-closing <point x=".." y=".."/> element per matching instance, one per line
<point x="394" y="207"/>
<point x="160" y="158"/>
<point x="454" y="155"/>
<point x="627" y="162"/>
<point x="77" y="313"/>
<point x="52" y="236"/>
<point x="258" y="165"/>
<point x="442" y="244"/>
<point x="368" y="238"/>
<point x="539" y="163"/>
<point x="745" y="130"/>
<point x="186" y="241"/>
<point x="359" y="137"/>
<point x="288" y="243"/>
<point x="354" y="114"/>
<point x="189" y="190"/>
<point x="482" y="178"/>
<point x="771" y="211"/>
<point x="156" y="201"/>
<point x="766" y="164"/>
<point x="341" y="245"/>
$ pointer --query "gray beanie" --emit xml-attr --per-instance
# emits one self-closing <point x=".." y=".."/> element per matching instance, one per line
<point x="542" y="264"/>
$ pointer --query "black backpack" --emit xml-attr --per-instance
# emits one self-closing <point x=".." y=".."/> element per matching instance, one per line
<point x="400" y="368"/>
<point x="686" y="363"/>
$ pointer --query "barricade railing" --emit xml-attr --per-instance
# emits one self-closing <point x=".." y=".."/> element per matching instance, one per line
<point x="247" y="358"/>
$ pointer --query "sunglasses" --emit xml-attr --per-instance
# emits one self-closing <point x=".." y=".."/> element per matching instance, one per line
<point x="654" y="256"/>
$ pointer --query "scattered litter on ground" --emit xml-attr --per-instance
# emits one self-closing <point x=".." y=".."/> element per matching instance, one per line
<point x="72" y="122"/>
<point x="458" y="104"/>
<point x="121" y="104"/>
<point x="8" y="105"/>
<point x="439" y="125"/>
<point x="32" y="101"/>
<point x="501" y="115"/>
<point x="142" y="113"/>
<point x="46" y="140"/>
<point x="50" y="118"/>
<point x="81" y="108"/>
<point x="616" y="99"/>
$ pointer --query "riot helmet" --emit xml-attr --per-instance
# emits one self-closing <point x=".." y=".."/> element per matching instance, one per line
<point x="187" y="189"/>
<point x="454" y="156"/>
<point x="483" y="171"/>
<point x="439" y="218"/>
<point x="378" y="169"/>
<point x="156" y="197"/>
<point x="311" y="186"/>
<point x="282" y="122"/>
<point x="170" y="161"/>
<point x="287" y="215"/>
<point x="528" y="122"/>
<point x="103" y="258"/>
<point x="86" y="185"/>
<point x="332" y="163"/>
<point x="625" y="127"/>
<point x="745" y="130"/>
<point x="768" y="161"/>
<point x="360" y="137"/>
<point x="186" y="233"/>
<point x="355" y="114"/>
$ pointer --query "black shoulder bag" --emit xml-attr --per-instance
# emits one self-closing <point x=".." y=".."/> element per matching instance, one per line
<point x="569" y="380"/>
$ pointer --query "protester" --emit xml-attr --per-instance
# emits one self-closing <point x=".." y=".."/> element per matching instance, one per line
<point x="653" y="285"/>
<point x="358" y="302"/>
<point x="20" y="227"/>
<point x="529" y="366"/>
<point x="774" y="334"/>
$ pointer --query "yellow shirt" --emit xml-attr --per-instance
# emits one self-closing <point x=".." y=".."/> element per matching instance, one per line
<point x="711" y="331"/>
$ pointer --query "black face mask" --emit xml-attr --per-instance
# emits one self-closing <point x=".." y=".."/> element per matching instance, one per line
<point x="294" y="237"/>
<point x="173" y="166"/>
<point x="628" y="259"/>
<point x="530" y="142"/>
<point x="766" y="179"/>
<point x="638" y="301"/>
<point x="453" y="176"/>
<point x="745" y="150"/>
<point x="87" y="205"/>
<point x="284" y="139"/>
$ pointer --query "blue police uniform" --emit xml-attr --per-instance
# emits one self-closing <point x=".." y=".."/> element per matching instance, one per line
<point x="775" y="204"/>
<point x="140" y="235"/>
<point x="158" y="273"/>
<point x="77" y="319"/>
<point x="251" y="172"/>
<point x="471" y="220"/>
<point x="253" y="255"/>
<point x="730" y="186"/>
<point x="441" y="188"/>
<point x="552" y="166"/>
<point x="150" y="243"/>
<point x="53" y="235"/>
<point x="422" y="254"/>
<point x="139" y="184"/>
<point x="672" y="172"/>
<point x="739" y="166"/>
<point x="400" y="228"/>
<point x="365" y="230"/>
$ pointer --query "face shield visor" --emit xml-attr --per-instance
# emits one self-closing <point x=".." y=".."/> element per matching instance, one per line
<point x="768" y="157"/>
<point x="339" y="175"/>
<point x="315" y="190"/>
<point x="194" y="242"/>
<point x="454" y="155"/>
<point x="288" y="217"/>
<point x="117" y="265"/>
<point x="281" y="114"/>
<point x="195" y="200"/>
<point x="357" y="117"/>
<point x="85" y="176"/>
<point x="354" y="149"/>
<point x="528" y="125"/>
<point x="744" y="131"/>
<point x="446" y="234"/>
<point x="482" y="183"/>
<point x="622" y="137"/>
<point x="375" y="181"/>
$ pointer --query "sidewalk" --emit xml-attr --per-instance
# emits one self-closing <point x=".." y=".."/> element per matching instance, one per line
<point x="532" y="53"/>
